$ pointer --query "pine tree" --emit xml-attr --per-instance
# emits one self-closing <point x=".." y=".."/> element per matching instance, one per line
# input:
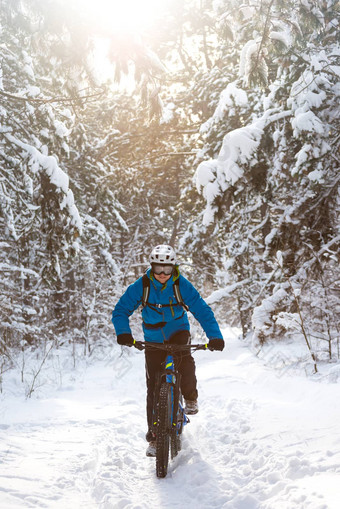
<point x="38" y="216"/>
<point x="273" y="183"/>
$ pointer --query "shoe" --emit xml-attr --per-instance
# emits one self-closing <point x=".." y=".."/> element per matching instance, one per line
<point x="150" y="436"/>
<point x="191" y="407"/>
<point x="151" y="450"/>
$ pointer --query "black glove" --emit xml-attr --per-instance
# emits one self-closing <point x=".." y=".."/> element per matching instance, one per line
<point x="125" y="339"/>
<point x="216" y="344"/>
<point x="138" y="345"/>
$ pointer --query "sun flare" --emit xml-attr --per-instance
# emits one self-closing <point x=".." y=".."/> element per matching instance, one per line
<point x="123" y="15"/>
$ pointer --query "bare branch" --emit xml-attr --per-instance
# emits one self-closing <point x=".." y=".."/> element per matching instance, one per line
<point x="51" y="100"/>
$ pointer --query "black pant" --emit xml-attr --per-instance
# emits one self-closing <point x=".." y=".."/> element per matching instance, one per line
<point x="184" y="363"/>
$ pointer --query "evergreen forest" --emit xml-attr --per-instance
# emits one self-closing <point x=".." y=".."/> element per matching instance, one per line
<point x="216" y="130"/>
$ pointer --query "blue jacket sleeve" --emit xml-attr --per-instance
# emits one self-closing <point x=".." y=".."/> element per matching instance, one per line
<point x="127" y="304"/>
<point x="200" y="309"/>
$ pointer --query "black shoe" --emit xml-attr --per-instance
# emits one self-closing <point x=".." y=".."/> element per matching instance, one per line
<point x="151" y="450"/>
<point x="150" y="436"/>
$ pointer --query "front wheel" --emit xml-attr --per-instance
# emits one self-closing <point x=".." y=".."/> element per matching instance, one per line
<point x="163" y="430"/>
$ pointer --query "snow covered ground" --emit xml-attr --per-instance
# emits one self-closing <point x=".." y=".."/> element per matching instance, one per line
<point x="262" y="439"/>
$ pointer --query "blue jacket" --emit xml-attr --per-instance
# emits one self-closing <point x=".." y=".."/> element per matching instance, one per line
<point x="164" y="320"/>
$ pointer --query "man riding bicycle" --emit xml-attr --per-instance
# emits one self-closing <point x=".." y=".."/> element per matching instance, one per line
<point x="165" y="320"/>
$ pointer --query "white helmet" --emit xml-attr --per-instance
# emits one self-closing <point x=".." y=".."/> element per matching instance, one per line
<point x="163" y="254"/>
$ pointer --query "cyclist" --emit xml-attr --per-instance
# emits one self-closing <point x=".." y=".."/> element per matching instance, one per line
<point x="165" y="320"/>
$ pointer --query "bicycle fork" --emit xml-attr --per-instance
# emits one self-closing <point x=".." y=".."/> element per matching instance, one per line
<point x="178" y="416"/>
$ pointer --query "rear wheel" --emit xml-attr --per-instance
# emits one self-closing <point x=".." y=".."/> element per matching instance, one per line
<point x="176" y="434"/>
<point x="163" y="430"/>
<point x="175" y="443"/>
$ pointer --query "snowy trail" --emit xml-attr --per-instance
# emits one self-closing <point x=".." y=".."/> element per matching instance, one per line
<point x="259" y="441"/>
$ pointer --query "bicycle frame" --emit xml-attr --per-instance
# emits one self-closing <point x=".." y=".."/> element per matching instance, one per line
<point x="172" y="377"/>
<point x="168" y="414"/>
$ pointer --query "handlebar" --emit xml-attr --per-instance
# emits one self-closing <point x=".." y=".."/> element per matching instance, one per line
<point x="170" y="347"/>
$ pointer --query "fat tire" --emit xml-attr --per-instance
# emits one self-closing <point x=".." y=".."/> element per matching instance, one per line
<point x="176" y="434"/>
<point x="163" y="430"/>
<point x="176" y="444"/>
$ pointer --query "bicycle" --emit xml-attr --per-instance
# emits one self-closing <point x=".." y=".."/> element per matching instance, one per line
<point x="169" y="415"/>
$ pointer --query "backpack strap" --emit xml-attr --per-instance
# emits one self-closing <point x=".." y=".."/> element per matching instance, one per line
<point x="146" y="293"/>
<point x="146" y="290"/>
<point x="178" y="295"/>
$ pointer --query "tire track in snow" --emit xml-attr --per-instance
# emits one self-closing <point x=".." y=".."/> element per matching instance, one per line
<point x="258" y="442"/>
<point x="282" y="468"/>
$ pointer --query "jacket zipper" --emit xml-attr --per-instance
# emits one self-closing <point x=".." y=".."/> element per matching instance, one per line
<point x="171" y="308"/>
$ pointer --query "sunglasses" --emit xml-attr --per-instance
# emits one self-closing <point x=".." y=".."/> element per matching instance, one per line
<point x="159" y="269"/>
